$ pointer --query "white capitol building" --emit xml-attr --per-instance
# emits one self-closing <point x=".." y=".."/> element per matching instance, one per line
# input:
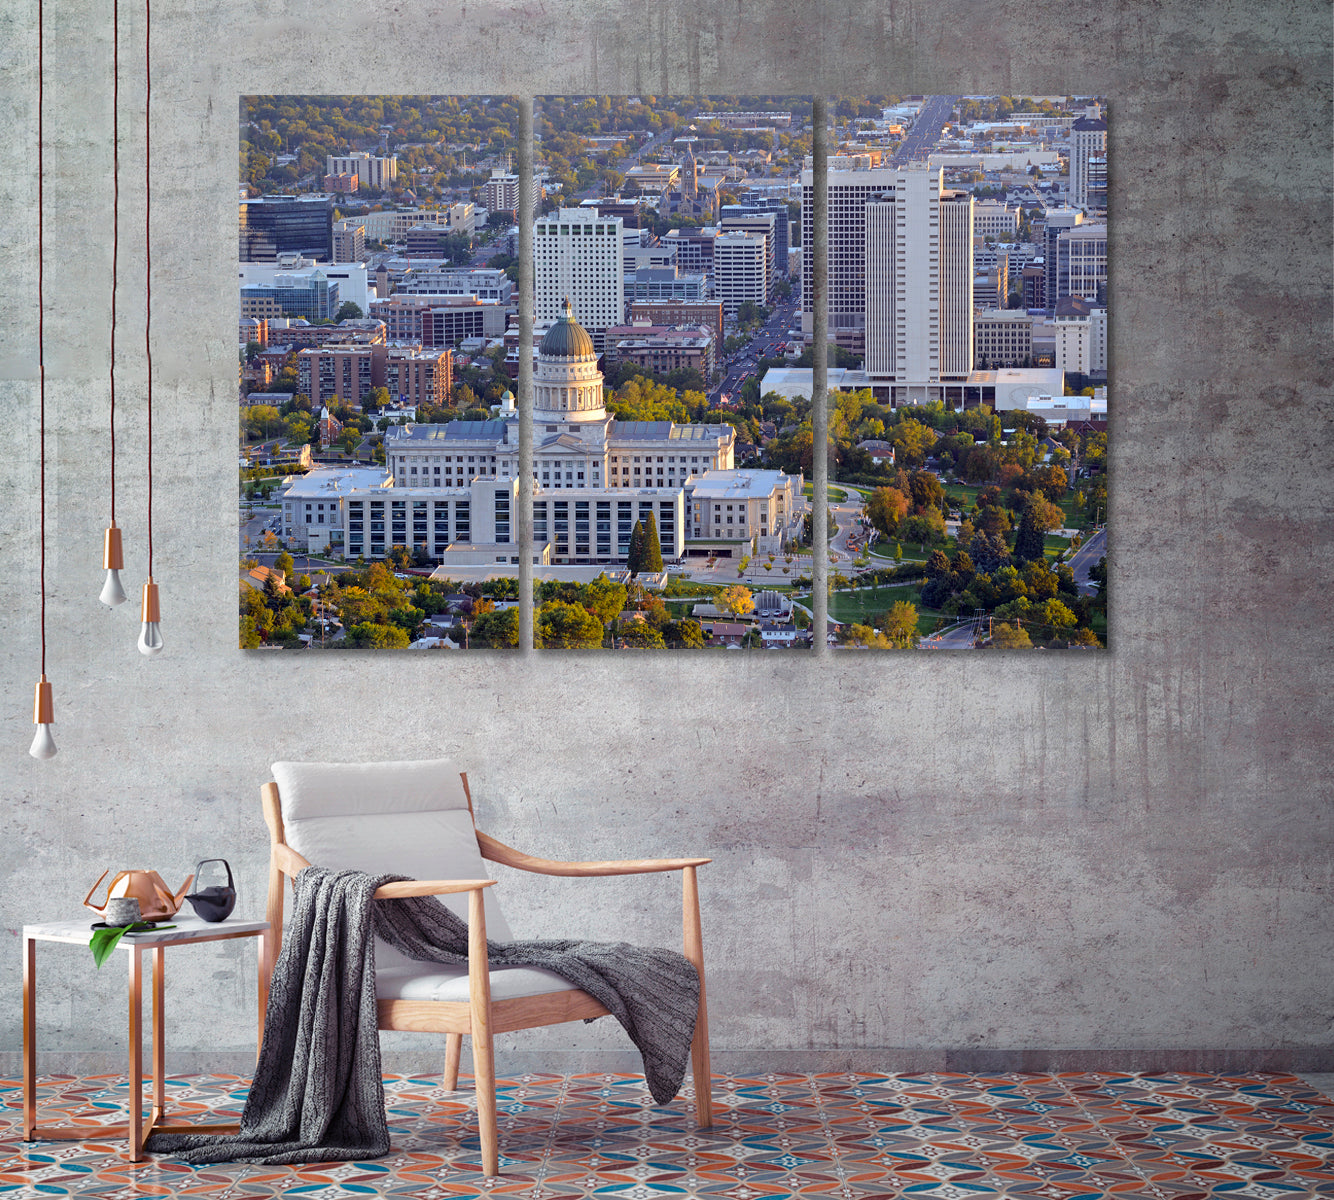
<point x="575" y="442"/>
<point x="452" y="489"/>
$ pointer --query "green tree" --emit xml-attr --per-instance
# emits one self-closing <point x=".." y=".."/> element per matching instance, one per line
<point x="686" y="634"/>
<point x="642" y="636"/>
<point x="284" y="563"/>
<point x="634" y="561"/>
<point x="497" y="629"/>
<point x="564" y="626"/>
<point x="652" y="560"/>
<point x="605" y="599"/>
<point x="1029" y="540"/>
<point x="901" y="625"/>
<point x="369" y="636"/>
<point x="349" y="310"/>
<point x="925" y="528"/>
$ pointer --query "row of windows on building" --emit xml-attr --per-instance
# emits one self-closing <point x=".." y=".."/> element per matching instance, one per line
<point x="431" y="522"/>
<point x="592" y="525"/>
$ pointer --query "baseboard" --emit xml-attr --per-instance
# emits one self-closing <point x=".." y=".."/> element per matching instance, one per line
<point x="429" y="1059"/>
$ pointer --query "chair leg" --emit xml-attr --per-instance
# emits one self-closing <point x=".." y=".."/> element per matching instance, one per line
<point x="453" y="1052"/>
<point x="484" y="1084"/>
<point x="702" y="1069"/>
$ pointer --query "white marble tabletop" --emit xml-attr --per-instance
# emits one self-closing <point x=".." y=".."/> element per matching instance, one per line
<point x="187" y="929"/>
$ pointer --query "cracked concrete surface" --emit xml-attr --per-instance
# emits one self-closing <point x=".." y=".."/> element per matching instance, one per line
<point x="1041" y="861"/>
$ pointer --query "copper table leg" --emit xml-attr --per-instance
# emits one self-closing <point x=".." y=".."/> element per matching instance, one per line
<point x="29" y="1038"/>
<point x="136" y="1088"/>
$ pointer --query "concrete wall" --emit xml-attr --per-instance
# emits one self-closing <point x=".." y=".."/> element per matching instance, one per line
<point x="1041" y="860"/>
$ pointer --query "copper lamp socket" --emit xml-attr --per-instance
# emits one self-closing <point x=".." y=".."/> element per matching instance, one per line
<point x="43" y="706"/>
<point x="150" y="610"/>
<point x="113" y="558"/>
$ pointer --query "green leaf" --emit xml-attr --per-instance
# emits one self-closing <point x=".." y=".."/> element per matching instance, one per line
<point x="105" y="940"/>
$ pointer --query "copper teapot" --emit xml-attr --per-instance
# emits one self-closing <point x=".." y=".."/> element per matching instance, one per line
<point x="156" y="901"/>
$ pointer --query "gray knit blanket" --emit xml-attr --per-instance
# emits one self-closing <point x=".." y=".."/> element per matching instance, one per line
<point x="317" y="1094"/>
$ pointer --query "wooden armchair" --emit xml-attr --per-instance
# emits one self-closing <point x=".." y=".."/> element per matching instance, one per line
<point x="416" y="818"/>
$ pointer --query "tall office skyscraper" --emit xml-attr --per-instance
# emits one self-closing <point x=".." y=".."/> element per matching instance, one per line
<point x="852" y="185"/>
<point x="900" y="276"/>
<point x="577" y="255"/>
<point x="274" y="225"/>
<point x="919" y="286"/>
<point x="1088" y="141"/>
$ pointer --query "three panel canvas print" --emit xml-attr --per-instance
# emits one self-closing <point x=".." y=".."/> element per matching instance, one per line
<point x="673" y="371"/>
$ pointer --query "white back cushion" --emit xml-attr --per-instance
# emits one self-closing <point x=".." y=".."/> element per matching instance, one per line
<point x="404" y="818"/>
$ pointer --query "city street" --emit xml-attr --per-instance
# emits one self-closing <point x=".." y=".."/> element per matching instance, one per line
<point x="1085" y="558"/>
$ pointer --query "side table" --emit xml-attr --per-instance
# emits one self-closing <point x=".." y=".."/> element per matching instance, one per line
<point x="188" y="931"/>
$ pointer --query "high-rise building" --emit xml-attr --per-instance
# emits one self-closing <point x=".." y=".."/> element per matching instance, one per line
<point x="1081" y="263"/>
<point x="349" y="242"/>
<point x="754" y="203"/>
<point x="274" y="225"/>
<point x="502" y="192"/>
<point x="766" y="225"/>
<point x="577" y="257"/>
<point x="1088" y="140"/>
<point x="1056" y="222"/>
<point x="918" y="254"/>
<point x="853" y="183"/>
<point x="369" y="170"/>
<point x="740" y="269"/>
<point x="417" y="376"/>
<point x="995" y="219"/>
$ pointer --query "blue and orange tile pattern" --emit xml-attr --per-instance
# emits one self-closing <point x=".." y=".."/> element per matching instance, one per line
<point x="934" y="1136"/>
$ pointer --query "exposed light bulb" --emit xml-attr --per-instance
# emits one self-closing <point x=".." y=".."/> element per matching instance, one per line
<point x="43" y="716"/>
<point x="113" y="558"/>
<point x="112" y="592"/>
<point x="43" y="744"/>
<point x="150" y="636"/>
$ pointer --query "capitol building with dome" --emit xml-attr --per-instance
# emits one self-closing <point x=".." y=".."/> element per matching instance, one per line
<point x="453" y="488"/>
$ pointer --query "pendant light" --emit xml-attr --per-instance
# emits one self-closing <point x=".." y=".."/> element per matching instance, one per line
<point x="113" y="556"/>
<point x="150" y="632"/>
<point x="43" y="716"/>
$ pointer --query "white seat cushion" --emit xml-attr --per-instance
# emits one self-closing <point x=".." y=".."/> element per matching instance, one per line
<point x="435" y="981"/>
<point x="402" y="818"/>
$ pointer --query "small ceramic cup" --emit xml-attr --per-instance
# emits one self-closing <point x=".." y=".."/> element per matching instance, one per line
<point x="123" y="910"/>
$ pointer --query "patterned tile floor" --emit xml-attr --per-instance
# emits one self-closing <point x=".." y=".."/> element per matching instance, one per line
<point x="935" y="1136"/>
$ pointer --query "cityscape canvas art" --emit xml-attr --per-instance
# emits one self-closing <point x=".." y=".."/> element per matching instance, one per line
<point x="673" y="373"/>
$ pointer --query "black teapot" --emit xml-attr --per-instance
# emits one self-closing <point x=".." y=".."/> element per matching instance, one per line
<point x="213" y="903"/>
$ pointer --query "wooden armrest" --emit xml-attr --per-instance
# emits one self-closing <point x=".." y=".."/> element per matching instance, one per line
<point x="510" y="857"/>
<point x="288" y="860"/>
<point x="429" y="887"/>
<point x="291" y="863"/>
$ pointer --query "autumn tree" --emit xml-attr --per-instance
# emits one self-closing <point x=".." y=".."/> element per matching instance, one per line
<point x="736" y="600"/>
<point x="900" y="625"/>
<point x="1010" y="637"/>
<point x="886" y="508"/>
